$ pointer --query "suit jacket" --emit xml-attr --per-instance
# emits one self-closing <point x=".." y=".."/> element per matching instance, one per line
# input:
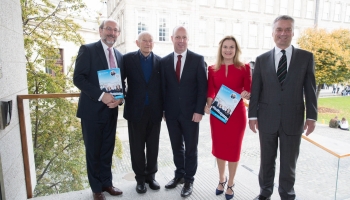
<point x="189" y="95"/>
<point x="276" y="105"/>
<point x="137" y="87"/>
<point x="91" y="58"/>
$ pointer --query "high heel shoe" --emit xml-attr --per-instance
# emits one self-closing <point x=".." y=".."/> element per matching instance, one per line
<point x="218" y="192"/>
<point x="230" y="196"/>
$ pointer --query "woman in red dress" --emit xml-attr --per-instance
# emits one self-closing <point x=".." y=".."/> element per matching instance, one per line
<point x="227" y="138"/>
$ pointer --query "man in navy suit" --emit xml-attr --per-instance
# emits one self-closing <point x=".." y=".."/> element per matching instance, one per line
<point x="283" y="88"/>
<point x="184" y="86"/>
<point x="143" y="110"/>
<point x="97" y="109"/>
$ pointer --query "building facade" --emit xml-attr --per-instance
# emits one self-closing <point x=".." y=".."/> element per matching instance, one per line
<point x="208" y="21"/>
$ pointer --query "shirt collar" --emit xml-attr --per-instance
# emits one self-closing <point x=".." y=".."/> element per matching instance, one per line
<point x="105" y="47"/>
<point x="145" y="57"/>
<point x="288" y="50"/>
<point x="182" y="54"/>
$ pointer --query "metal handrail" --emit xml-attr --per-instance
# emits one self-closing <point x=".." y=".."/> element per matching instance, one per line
<point x="23" y="132"/>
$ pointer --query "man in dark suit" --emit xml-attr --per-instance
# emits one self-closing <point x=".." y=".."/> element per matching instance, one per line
<point x="98" y="110"/>
<point x="143" y="110"/>
<point x="281" y="78"/>
<point x="184" y="86"/>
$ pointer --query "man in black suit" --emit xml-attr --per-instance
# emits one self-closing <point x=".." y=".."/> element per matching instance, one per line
<point x="184" y="86"/>
<point x="143" y="110"/>
<point x="282" y="78"/>
<point x="98" y="110"/>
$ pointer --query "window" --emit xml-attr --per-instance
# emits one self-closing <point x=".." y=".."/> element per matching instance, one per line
<point x="310" y="9"/>
<point x="202" y="32"/>
<point x="142" y="23"/>
<point x="297" y="8"/>
<point x="219" y="31"/>
<point x="253" y="36"/>
<point x="269" y="6"/>
<point x="238" y="4"/>
<point x="254" y="5"/>
<point x="56" y="61"/>
<point x="337" y="14"/>
<point x="267" y="37"/>
<point x="237" y="32"/>
<point x="220" y="3"/>
<point x="163" y="29"/>
<point x="283" y="7"/>
<point x="326" y="10"/>
<point x="347" y="13"/>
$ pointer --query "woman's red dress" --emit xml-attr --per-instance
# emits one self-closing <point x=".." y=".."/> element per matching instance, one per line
<point x="227" y="138"/>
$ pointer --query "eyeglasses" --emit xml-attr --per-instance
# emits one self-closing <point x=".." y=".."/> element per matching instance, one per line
<point x="109" y="29"/>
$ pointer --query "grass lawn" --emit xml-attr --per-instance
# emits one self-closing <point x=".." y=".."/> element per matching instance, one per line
<point x="330" y="107"/>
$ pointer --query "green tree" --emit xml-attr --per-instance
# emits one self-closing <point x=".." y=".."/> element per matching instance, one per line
<point x="57" y="138"/>
<point x="331" y="52"/>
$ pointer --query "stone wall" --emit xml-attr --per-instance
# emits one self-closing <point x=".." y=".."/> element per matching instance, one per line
<point x="13" y="82"/>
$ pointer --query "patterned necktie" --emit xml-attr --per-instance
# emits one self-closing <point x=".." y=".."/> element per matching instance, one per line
<point x="178" y="67"/>
<point x="111" y="59"/>
<point x="282" y="67"/>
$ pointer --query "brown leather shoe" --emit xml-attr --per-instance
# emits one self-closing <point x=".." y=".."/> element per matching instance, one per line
<point x="112" y="190"/>
<point x="99" y="196"/>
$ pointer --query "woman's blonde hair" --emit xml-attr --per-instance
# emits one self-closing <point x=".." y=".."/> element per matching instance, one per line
<point x="236" y="58"/>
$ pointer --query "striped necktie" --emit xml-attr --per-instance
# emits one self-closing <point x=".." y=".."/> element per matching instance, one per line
<point x="282" y="67"/>
<point x="111" y="58"/>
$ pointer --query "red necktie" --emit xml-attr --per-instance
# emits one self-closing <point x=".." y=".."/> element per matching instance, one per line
<point x="178" y="67"/>
<point x="111" y="59"/>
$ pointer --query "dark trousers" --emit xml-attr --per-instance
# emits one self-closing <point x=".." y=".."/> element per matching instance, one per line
<point x="144" y="133"/>
<point x="184" y="141"/>
<point x="289" y="152"/>
<point x="99" y="140"/>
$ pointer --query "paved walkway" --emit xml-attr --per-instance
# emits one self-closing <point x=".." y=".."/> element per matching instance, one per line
<point x="316" y="173"/>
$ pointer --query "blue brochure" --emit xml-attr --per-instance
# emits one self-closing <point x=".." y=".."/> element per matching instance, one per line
<point x="111" y="82"/>
<point x="224" y="103"/>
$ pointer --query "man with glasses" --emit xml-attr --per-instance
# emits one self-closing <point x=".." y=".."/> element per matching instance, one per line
<point x="143" y="110"/>
<point x="97" y="109"/>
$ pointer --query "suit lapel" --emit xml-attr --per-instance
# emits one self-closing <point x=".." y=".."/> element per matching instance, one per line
<point x="271" y="66"/>
<point x="154" y="68"/>
<point x="101" y="54"/>
<point x="137" y="64"/>
<point x="187" y="65"/>
<point x="171" y="67"/>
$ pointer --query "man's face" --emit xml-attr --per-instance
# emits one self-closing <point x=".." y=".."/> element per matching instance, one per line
<point x="283" y="33"/>
<point x="109" y="33"/>
<point x="180" y="39"/>
<point x="145" y="43"/>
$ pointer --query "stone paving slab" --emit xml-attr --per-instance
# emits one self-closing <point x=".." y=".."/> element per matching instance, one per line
<point x="315" y="177"/>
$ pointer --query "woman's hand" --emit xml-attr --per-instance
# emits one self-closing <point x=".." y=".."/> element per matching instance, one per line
<point x="245" y="95"/>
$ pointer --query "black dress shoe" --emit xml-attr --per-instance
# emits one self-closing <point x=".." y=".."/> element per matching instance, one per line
<point x="187" y="189"/>
<point x="260" y="197"/>
<point x="153" y="184"/>
<point x="173" y="183"/>
<point x="141" y="188"/>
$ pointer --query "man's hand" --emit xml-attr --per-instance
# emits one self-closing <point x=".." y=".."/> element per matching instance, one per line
<point x="310" y="126"/>
<point x="207" y="109"/>
<point x="115" y="103"/>
<point x="253" y="125"/>
<point x="197" y="117"/>
<point x="107" y="98"/>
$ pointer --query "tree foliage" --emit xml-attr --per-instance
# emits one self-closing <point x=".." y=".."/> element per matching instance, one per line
<point x="57" y="138"/>
<point x="332" y="54"/>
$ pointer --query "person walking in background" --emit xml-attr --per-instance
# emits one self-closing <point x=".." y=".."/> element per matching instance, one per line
<point x="184" y="86"/>
<point x="281" y="78"/>
<point x="143" y="110"/>
<point x="227" y="138"/>
<point x="97" y="109"/>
